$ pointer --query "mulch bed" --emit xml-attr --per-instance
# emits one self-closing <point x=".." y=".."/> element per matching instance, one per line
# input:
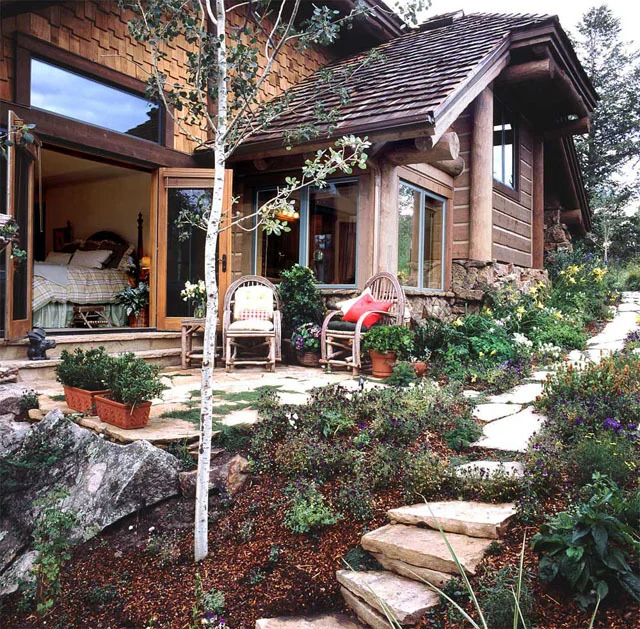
<point x="150" y="576"/>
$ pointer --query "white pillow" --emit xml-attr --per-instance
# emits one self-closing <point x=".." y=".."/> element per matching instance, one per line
<point x="58" y="258"/>
<point x="90" y="259"/>
<point x="251" y="325"/>
<point x="347" y="303"/>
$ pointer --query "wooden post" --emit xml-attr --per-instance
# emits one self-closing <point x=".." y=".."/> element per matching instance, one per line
<point x="481" y="179"/>
<point x="537" y="226"/>
<point x="387" y="232"/>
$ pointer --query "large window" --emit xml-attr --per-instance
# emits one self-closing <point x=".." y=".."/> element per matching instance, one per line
<point x="421" y="237"/>
<point x="75" y="96"/>
<point x="323" y="235"/>
<point x="504" y="146"/>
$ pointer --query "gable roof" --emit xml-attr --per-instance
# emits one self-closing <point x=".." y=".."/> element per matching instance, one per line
<point x="424" y="79"/>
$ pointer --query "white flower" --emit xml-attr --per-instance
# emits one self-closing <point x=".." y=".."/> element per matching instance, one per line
<point x="151" y="529"/>
<point x="521" y="339"/>
<point x="131" y="527"/>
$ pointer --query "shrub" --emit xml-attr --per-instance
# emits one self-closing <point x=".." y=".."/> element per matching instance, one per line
<point x="133" y="381"/>
<point x="356" y="498"/>
<point x="307" y="509"/>
<point x="28" y="400"/>
<point x="610" y="456"/>
<point x="83" y="370"/>
<point x="589" y="548"/>
<point x="496" y="596"/>
<point x="463" y="433"/>
<point x="404" y="374"/>
<point x="633" y="280"/>
<point x="301" y="299"/>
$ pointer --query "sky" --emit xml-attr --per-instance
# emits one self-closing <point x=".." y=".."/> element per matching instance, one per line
<point x="569" y="11"/>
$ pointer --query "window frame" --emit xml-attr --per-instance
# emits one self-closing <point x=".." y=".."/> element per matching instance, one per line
<point x="424" y="193"/>
<point x="28" y="47"/>
<point x="514" y="191"/>
<point x="303" y="254"/>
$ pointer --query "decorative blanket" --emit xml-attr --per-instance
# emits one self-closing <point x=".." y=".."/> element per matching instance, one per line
<point x="84" y="286"/>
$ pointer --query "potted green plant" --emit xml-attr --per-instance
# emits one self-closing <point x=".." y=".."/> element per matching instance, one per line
<point x="135" y="300"/>
<point x="301" y="299"/>
<point x="306" y="341"/>
<point x="82" y="375"/>
<point x="133" y="384"/>
<point x="386" y="344"/>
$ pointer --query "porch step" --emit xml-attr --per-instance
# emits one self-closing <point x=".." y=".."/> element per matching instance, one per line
<point x="33" y="371"/>
<point x="476" y="519"/>
<point x="405" y="600"/>
<point x="113" y="342"/>
<point x="426" y="548"/>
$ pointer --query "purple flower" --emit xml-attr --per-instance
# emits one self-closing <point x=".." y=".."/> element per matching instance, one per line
<point x="612" y="424"/>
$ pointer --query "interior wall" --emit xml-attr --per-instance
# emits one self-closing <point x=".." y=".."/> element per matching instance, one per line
<point x="105" y="204"/>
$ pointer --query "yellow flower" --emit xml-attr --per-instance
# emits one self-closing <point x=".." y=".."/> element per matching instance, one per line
<point x="458" y="322"/>
<point x="488" y="312"/>
<point x="572" y="280"/>
<point x="557" y="314"/>
<point x="493" y="351"/>
<point x="481" y="354"/>
<point x="539" y="305"/>
<point x="520" y="310"/>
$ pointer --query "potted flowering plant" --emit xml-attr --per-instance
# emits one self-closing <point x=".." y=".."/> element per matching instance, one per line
<point x="306" y="341"/>
<point x="196" y="295"/>
<point x="82" y="375"/>
<point x="386" y="344"/>
<point x="133" y="384"/>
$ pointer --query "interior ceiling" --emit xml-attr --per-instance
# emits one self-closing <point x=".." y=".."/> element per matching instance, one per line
<point x="62" y="169"/>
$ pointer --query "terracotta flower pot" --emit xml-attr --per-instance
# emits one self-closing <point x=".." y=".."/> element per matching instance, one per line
<point x="382" y="364"/>
<point x="421" y="368"/>
<point x="80" y="400"/>
<point x="122" y="415"/>
<point x="141" y="321"/>
<point x="309" y="359"/>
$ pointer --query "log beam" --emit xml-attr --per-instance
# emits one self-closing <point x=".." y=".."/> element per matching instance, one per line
<point x="540" y="70"/>
<point x="423" y="151"/>
<point x="580" y="126"/>
<point x="453" y="167"/>
<point x="481" y="179"/>
<point x="537" y="226"/>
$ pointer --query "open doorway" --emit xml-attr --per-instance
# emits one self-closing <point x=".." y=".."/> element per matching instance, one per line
<point x="91" y="242"/>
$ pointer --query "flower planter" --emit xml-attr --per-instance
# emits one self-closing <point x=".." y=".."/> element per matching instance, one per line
<point x="421" y="368"/>
<point x="140" y="321"/>
<point x="382" y="364"/>
<point x="309" y="359"/>
<point x="80" y="400"/>
<point x="122" y="415"/>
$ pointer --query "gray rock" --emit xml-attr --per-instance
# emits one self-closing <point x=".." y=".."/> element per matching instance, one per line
<point x="10" y="396"/>
<point x="226" y="473"/>
<point x="11" y="433"/>
<point x="323" y="621"/>
<point x="104" y="482"/>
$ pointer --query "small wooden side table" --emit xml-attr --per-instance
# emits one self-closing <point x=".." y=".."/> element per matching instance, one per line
<point x="90" y="317"/>
<point x="188" y="328"/>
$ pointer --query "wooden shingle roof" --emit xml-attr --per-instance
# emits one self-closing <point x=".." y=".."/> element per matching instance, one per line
<point x="414" y="80"/>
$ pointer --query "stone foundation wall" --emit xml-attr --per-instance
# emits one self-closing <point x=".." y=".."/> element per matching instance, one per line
<point x="470" y="281"/>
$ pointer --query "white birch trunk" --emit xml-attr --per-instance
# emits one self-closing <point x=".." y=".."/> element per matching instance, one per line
<point x="201" y="542"/>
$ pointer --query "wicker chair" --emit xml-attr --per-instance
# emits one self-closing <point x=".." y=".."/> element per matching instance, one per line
<point x="253" y="341"/>
<point x="340" y="341"/>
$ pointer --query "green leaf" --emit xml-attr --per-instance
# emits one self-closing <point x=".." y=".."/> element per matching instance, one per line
<point x="601" y="537"/>
<point x="548" y="569"/>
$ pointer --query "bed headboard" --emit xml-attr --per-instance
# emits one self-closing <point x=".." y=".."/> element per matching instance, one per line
<point x="108" y="235"/>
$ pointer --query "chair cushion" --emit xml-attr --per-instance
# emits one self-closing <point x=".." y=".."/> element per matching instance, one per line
<point x="340" y="325"/>
<point x="366" y="304"/>
<point x="251" y="325"/>
<point x="253" y="302"/>
<point x="347" y="303"/>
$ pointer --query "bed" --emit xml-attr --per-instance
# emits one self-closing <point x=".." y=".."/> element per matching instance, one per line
<point x="59" y="284"/>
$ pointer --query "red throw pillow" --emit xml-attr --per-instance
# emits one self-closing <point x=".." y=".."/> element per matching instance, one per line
<point x="366" y="304"/>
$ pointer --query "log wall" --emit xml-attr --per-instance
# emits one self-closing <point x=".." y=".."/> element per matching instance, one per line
<point x="97" y="31"/>
<point x="512" y="211"/>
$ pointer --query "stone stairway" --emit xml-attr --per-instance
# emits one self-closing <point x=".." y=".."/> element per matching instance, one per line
<point x="412" y="550"/>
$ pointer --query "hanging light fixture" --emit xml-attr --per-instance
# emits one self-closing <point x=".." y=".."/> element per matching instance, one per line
<point x="288" y="214"/>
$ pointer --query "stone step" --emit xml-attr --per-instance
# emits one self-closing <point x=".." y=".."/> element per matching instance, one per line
<point x="426" y="548"/>
<point x="511" y="433"/>
<point x="31" y="372"/>
<point x="476" y="519"/>
<point x="324" y="621"/>
<point x="113" y="342"/>
<point x="416" y="573"/>
<point x="369" y="616"/>
<point x="406" y="600"/>
<point x="491" y="412"/>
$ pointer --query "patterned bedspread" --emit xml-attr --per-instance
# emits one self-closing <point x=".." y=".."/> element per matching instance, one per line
<point x="84" y="286"/>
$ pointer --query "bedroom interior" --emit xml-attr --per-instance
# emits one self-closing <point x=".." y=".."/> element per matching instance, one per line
<point x="88" y="243"/>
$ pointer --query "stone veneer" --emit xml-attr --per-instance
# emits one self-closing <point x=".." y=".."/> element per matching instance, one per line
<point x="470" y="281"/>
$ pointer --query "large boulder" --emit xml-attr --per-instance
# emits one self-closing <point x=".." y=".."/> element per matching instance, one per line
<point x="11" y="433"/>
<point x="227" y="474"/>
<point x="103" y="482"/>
<point x="10" y="398"/>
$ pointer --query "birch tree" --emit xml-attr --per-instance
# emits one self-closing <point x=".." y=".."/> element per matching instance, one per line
<point x="222" y="96"/>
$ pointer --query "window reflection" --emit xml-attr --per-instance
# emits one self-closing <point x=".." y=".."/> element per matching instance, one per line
<point x="504" y="138"/>
<point x="75" y="96"/>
